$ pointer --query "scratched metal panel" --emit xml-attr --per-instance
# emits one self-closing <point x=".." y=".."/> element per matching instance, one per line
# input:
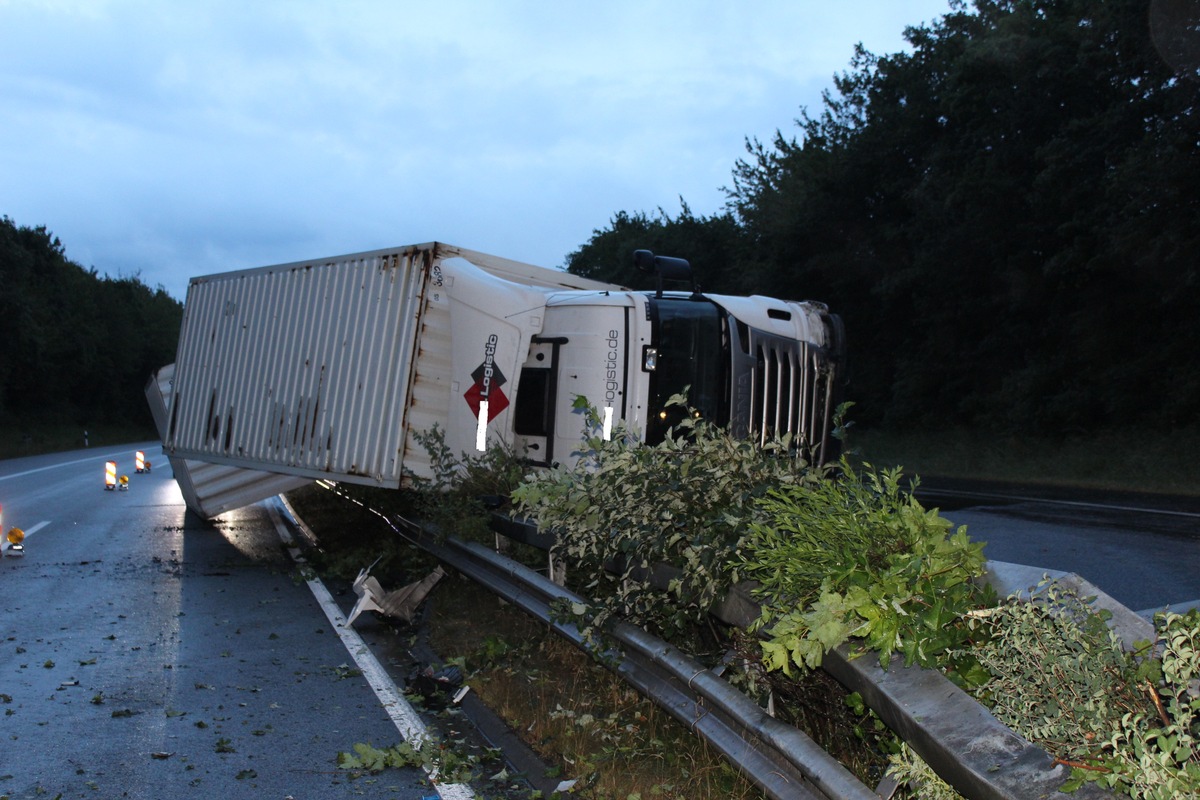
<point x="301" y="368"/>
<point x="430" y="392"/>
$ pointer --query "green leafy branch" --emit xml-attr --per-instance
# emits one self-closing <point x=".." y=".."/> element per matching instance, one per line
<point x="854" y="557"/>
<point x="444" y="764"/>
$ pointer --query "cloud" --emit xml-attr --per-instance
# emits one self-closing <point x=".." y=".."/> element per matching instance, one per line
<point x="176" y="139"/>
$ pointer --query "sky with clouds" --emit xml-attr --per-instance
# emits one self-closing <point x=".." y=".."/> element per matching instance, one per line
<point x="173" y="138"/>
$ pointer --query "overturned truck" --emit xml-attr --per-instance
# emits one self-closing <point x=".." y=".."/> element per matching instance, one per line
<point x="334" y="367"/>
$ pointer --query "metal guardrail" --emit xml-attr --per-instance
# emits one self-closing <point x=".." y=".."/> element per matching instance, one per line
<point x="780" y="759"/>
<point x="964" y="743"/>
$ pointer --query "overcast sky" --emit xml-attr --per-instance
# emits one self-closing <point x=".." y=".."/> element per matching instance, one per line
<point x="179" y="138"/>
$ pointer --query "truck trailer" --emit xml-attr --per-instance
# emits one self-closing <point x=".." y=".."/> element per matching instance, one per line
<point x="332" y="368"/>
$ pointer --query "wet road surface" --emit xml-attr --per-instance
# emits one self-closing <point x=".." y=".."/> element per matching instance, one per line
<point x="147" y="653"/>
<point x="1143" y="550"/>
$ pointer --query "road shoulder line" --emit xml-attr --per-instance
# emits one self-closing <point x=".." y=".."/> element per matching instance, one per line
<point x="410" y="725"/>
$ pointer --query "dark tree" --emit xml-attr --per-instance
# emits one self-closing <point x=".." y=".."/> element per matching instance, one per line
<point x="78" y="348"/>
<point x="1006" y="217"/>
<point x="709" y="243"/>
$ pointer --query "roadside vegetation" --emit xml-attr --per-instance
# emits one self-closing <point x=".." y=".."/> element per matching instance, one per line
<point x="584" y="722"/>
<point x="842" y="556"/>
<point x="849" y="556"/>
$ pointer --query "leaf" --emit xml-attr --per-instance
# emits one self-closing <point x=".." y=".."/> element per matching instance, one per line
<point x="776" y="656"/>
<point x="348" y="761"/>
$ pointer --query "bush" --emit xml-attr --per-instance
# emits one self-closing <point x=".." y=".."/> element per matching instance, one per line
<point x="842" y="555"/>
<point x="1059" y="677"/>
<point x="628" y="507"/>
<point x="854" y="557"/>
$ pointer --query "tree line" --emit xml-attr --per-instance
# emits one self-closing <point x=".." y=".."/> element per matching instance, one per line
<point x="1005" y="216"/>
<point x="77" y="348"/>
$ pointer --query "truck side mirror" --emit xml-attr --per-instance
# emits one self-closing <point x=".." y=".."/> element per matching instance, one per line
<point x="666" y="267"/>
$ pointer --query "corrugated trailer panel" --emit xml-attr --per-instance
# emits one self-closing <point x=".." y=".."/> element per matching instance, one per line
<point x="301" y="367"/>
<point x="211" y="489"/>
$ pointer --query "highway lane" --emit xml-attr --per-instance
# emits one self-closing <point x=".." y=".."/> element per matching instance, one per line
<point x="147" y="653"/>
<point x="1143" y="550"/>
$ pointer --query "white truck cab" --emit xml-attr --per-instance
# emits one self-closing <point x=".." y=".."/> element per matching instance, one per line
<point x="758" y="365"/>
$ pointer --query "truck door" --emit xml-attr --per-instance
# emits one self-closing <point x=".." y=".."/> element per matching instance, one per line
<point x="581" y="352"/>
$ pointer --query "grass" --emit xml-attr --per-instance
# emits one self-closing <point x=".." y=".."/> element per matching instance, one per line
<point x="1139" y="461"/>
<point x="576" y="714"/>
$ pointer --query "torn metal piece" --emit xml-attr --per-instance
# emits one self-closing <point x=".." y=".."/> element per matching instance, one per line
<point x="401" y="603"/>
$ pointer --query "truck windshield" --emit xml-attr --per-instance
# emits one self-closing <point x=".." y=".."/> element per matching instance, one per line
<point x="688" y="335"/>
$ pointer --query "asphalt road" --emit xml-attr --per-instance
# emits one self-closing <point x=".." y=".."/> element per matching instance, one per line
<point x="1143" y="550"/>
<point x="145" y="653"/>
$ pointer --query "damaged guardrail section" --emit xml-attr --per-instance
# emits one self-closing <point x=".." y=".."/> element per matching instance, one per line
<point x="957" y="736"/>
<point x="783" y="761"/>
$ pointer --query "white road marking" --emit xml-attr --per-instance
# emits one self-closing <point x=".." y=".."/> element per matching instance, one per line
<point x="403" y="715"/>
<point x="99" y="457"/>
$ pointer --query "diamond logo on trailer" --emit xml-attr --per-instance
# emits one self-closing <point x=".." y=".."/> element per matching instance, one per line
<point x="488" y="380"/>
